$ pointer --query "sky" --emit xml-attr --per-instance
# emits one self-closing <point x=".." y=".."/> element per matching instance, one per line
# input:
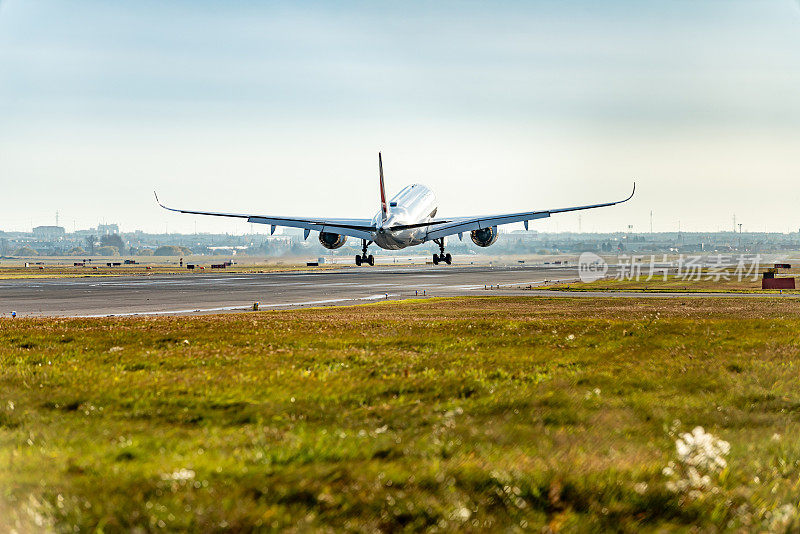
<point x="280" y="108"/>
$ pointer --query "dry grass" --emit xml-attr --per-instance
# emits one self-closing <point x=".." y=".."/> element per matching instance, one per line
<point x="145" y="269"/>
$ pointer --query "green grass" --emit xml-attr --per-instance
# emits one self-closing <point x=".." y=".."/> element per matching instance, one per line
<point x="474" y="413"/>
<point x="706" y="284"/>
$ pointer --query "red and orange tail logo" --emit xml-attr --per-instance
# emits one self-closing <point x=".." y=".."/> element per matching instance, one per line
<point x="384" y="206"/>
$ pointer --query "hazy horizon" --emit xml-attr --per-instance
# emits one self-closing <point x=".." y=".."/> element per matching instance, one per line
<point x="281" y="109"/>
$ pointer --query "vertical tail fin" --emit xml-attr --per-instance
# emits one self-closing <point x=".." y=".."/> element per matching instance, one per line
<point x="384" y="206"/>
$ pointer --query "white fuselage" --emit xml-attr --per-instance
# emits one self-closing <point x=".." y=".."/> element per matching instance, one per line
<point x="413" y="205"/>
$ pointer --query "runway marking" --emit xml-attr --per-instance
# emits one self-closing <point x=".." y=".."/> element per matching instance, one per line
<point x="169" y="312"/>
<point x="479" y="286"/>
<point x="231" y="308"/>
<point x="330" y="301"/>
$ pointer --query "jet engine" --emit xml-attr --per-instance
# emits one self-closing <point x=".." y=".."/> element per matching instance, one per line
<point x="484" y="236"/>
<point x="331" y="241"/>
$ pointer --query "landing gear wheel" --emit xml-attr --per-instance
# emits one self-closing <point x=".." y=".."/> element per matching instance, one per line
<point x="364" y="258"/>
<point x="442" y="257"/>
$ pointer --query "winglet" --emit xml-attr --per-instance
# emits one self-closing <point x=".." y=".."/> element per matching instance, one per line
<point x="159" y="202"/>
<point x="632" y="193"/>
<point x="162" y="205"/>
<point x="384" y="207"/>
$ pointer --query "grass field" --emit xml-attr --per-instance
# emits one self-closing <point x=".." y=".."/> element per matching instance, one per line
<point x="102" y="270"/>
<point x="461" y="414"/>
<point x="674" y="283"/>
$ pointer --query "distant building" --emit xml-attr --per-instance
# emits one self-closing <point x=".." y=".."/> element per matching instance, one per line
<point x="526" y="235"/>
<point x="107" y="229"/>
<point x="48" y="233"/>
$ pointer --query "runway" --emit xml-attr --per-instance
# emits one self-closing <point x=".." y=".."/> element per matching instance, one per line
<point x="214" y="293"/>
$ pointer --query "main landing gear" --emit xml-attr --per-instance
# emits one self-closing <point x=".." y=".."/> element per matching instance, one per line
<point x="363" y="258"/>
<point x="442" y="257"/>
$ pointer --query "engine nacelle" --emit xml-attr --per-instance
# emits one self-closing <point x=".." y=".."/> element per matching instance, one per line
<point x="484" y="237"/>
<point x="331" y="241"/>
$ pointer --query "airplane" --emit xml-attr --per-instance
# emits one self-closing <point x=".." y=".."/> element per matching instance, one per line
<point x="408" y="219"/>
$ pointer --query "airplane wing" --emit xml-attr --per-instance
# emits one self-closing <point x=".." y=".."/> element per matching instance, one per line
<point x="458" y="225"/>
<point x="358" y="228"/>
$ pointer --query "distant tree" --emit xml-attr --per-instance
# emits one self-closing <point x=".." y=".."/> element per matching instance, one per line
<point x="266" y="249"/>
<point x="25" y="251"/>
<point x="113" y="240"/>
<point x="169" y="250"/>
<point x="296" y="249"/>
<point x="108" y="251"/>
<point x="76" y="251"/>
<point x="146" y="252"/>
<point x="90" y="241"/>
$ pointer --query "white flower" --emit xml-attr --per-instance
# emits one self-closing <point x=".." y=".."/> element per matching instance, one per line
<point x="462" y="514"/>
<point x="700" y="456"/>
<point x="781" y="519"/>
<point x="180" y="474"/>
<point x="702" y="450"/>
<point x="592" y="393"/>
<point x="452" y="413"/>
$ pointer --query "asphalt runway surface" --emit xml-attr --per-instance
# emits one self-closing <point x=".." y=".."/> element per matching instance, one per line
<point x="214" y="293"/>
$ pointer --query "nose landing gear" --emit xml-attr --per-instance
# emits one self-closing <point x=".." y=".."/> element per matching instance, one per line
<point x="441" y="257"/>
<point x="363" y="258"/>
